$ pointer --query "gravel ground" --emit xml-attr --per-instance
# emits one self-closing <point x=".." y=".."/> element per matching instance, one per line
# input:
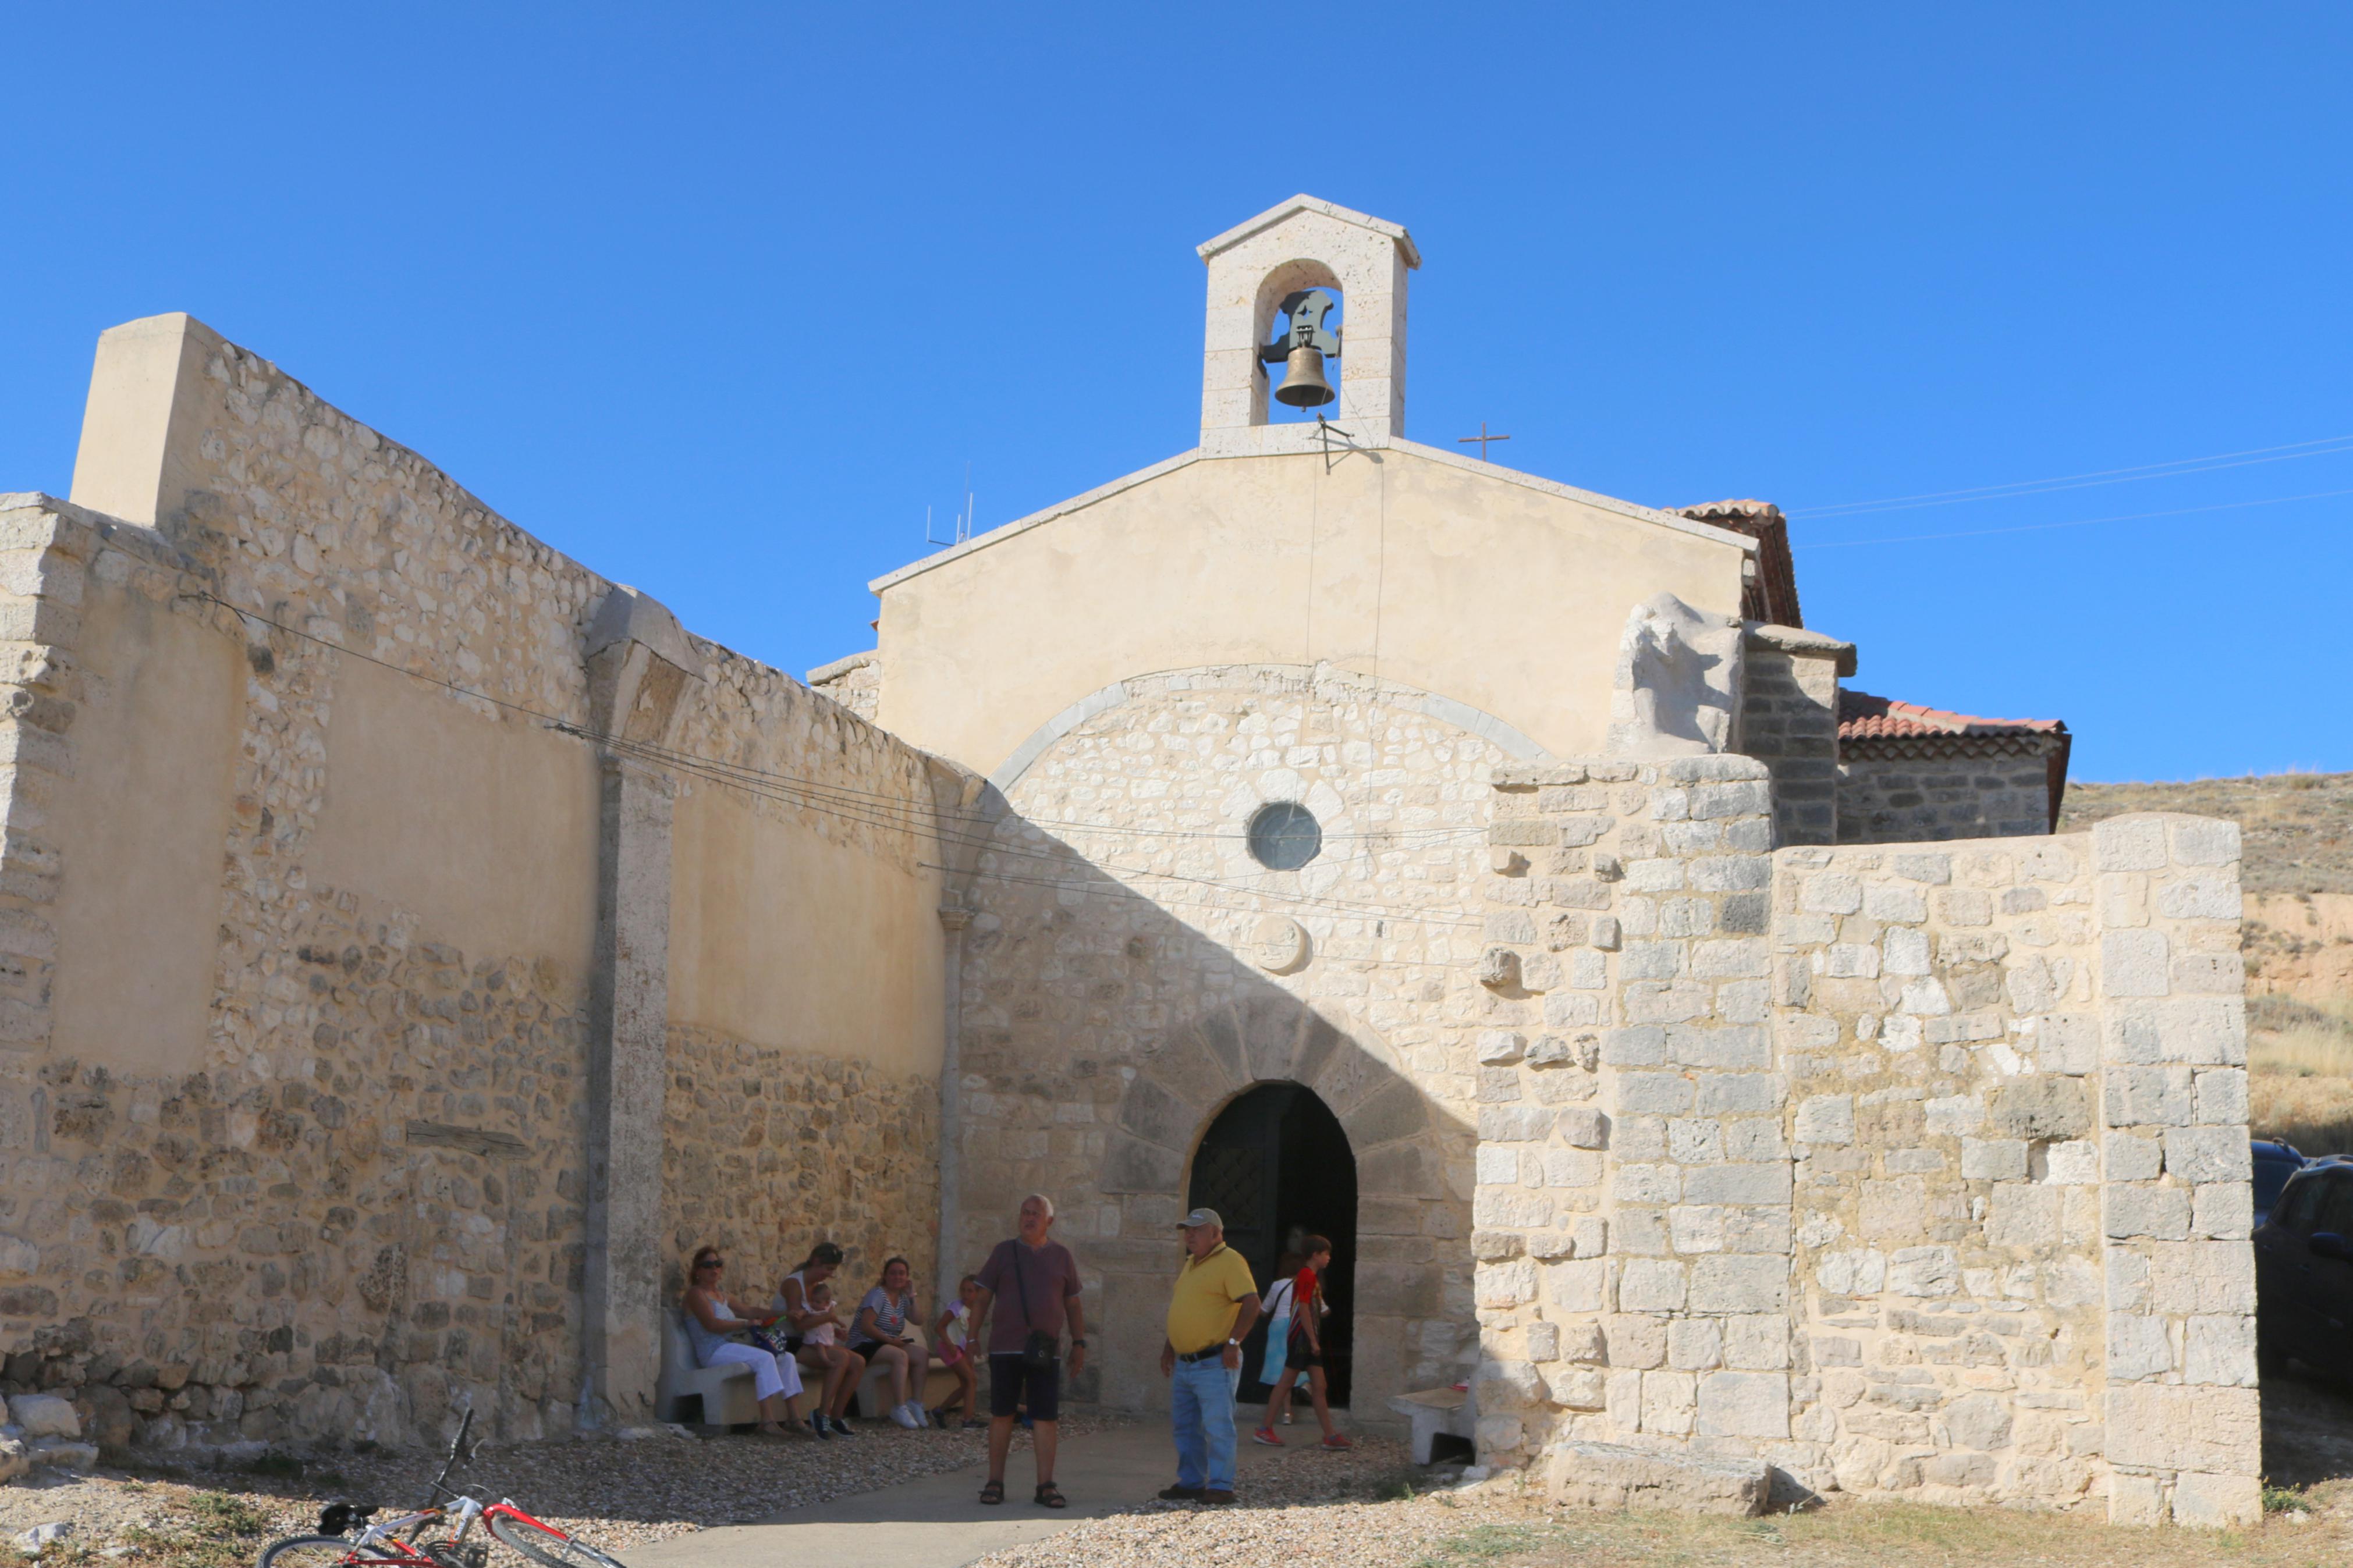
<point x="612" y="1493"/>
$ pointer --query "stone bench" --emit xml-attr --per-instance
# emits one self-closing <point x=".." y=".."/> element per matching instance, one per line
<point x="1435" y="1410"/>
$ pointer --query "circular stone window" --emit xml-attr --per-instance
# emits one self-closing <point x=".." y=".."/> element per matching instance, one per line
<point x="1285" y="836"/>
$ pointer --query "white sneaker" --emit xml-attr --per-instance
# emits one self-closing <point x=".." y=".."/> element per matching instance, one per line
<point x="904" y="1415"/>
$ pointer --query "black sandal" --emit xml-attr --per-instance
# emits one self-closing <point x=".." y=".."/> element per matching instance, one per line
<point x="994" y="1493"/>
<point x="1050" y="1496"/>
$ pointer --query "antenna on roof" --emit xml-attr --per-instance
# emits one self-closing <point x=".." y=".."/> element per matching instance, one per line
<point x="962" y="529"/>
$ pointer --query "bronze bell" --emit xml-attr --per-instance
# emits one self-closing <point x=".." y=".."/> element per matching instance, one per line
<point x="1304" y="385"/>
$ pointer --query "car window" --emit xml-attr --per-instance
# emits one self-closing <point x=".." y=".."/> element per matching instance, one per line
<point x="2333" y="1208"/>
<point x="2294" y="1210"/>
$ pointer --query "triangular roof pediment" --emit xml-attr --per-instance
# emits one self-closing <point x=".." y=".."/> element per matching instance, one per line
<point x="1491" y="472"/>
<point x="1303" y="203"/>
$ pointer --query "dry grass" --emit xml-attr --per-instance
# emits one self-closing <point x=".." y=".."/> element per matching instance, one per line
<point x="2298" y="828"/>
<point x="1886" y="1536"/>
<point x="2300" y="1073"/>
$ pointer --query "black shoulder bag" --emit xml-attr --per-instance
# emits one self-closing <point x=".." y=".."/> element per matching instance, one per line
<point x="1040" y="1352"/>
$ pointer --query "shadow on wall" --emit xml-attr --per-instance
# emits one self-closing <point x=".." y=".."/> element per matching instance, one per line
<point x="1111" y="1030"/>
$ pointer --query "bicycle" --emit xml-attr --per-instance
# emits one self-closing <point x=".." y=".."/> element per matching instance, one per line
<point x="380" y="1546"/>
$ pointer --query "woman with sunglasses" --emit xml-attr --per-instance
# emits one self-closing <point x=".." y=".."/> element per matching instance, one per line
<point x="712" y="1319"/>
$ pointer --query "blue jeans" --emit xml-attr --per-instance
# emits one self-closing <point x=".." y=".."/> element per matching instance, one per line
<point x="1202" y="1409"/>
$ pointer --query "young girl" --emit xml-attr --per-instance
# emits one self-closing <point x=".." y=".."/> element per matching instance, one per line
<point x="1306" y="1350"/>
<point x="952" y="1334"/>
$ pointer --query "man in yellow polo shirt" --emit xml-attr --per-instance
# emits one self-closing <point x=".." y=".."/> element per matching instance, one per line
<point x="1209" y="1312"/>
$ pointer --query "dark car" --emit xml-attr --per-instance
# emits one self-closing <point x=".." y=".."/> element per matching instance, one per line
<point x="2274" y="1164"/>
<point x="2303" y="1270"/>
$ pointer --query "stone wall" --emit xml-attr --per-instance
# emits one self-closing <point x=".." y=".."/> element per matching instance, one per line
<point x="1130" y="969"/>
<point x="308" y="926"/>
<point x="1634" y="1180"/>
<point x="1903" y="1171"/>
<point x="1899" y="791"/>
<point x="1789" y="721"/>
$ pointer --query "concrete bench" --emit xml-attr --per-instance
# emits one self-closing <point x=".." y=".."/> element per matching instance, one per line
<point x="725" y="1391"/>
<point x="1435" y="1410"/>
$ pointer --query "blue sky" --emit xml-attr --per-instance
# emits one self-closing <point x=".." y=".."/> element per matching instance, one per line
<point x="718" y="299"/>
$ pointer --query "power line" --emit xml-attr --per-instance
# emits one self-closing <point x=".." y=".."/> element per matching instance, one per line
<point x="865" y="813"/>
<point x="845" y="795"/>
<point x="2331" y="445"/>
<point x="2076" y="522"/>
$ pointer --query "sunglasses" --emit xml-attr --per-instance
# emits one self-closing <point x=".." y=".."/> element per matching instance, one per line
<point x="712" y="1263"/>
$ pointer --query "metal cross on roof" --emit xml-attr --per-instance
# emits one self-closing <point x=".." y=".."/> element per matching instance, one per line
<point x="1482" y="438"/>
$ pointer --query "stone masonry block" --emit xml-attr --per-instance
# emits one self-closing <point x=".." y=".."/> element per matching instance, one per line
<point x="2162" y="1213"/>
<point x="1736" y="1184"/>
<point x="2200" y="1154"/>
<point x="2205" y="842"/>
<point x="1727" y="1284"/>
<point x="2200" y="898"/>
<point x="1582" y="1127"/>
<point x="2220" y="1095"/>
<point x="1827" y="1119"/>
<point x="2225" y="1210"/>
<point x="1738" y="1094"/>
<point x="1699" y="1046"/>
<point x="2138" y="1347"/>
<point x="1500" y="1047"/>
<point x="1651" y="1285"/>
<point x="1832" y="893"/>
<point x="1514" y="1123"/>
<point x="2153" y="1096"/>
<point x="1993" y="1159"/>
<point x="2132" y="1159"/>
<point x="2135" y="963"/>
<point x="2221" y="1351"/>
<point x="1744" y="1405"/>
<point x="2203" y="1501"/>
<point x="1654" y="1093"/>
<point x="2167" y="1427"/>
<point x="2128" y="844"/>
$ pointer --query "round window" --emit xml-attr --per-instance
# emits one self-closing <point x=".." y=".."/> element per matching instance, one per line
<point x="1285" y="836"/>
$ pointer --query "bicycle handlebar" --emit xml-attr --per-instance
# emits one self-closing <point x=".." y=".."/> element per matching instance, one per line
<point x="457" y="1451"/>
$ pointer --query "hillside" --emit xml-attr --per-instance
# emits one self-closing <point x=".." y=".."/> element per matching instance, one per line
<point x="2298" y="878"/>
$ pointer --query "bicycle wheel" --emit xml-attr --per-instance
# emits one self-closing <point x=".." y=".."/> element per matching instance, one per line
<point x="309" y="1551"/>
<point x="544" y="1545"/>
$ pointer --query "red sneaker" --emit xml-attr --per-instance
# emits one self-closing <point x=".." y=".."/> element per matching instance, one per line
<point x="1337" y="1441"/>
<point x="1266" y="1434"/>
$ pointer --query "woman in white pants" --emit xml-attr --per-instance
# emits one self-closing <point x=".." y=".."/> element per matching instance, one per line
<point x="712" y="1317"/>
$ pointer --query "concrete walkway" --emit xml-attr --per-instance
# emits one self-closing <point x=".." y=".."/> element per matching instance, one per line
<point x="935" y="1521"/>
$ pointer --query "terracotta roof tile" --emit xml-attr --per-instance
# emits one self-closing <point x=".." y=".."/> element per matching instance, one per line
<point x="1863" y="717"/>
<point x="1771" y="594"/>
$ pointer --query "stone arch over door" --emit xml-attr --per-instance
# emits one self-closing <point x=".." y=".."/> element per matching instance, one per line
<point x="1413" y="1271"/>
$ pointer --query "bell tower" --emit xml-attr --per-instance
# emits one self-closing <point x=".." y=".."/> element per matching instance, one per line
<point x="1264" y="276"/>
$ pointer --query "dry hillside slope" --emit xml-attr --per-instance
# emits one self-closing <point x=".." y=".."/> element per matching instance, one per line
<point x="2298" y="876"/>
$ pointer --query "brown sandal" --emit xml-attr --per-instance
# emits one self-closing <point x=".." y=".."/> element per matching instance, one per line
<point x="1050" y="1496"/>
<point x="994" y="1493"/>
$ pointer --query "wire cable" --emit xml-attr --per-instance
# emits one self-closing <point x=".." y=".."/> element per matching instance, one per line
<point x="2335" y="445"/>
<point x="2075" y="523"/>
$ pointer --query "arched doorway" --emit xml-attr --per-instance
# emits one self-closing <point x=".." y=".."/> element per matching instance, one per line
<point x="1276" y="1165"/>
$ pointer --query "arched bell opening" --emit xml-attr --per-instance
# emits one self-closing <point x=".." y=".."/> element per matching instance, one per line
<point x="1277" y="1166"/>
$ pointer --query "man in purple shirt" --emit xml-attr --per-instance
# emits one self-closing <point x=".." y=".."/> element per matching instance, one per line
<point x="1036" y="1283"/>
